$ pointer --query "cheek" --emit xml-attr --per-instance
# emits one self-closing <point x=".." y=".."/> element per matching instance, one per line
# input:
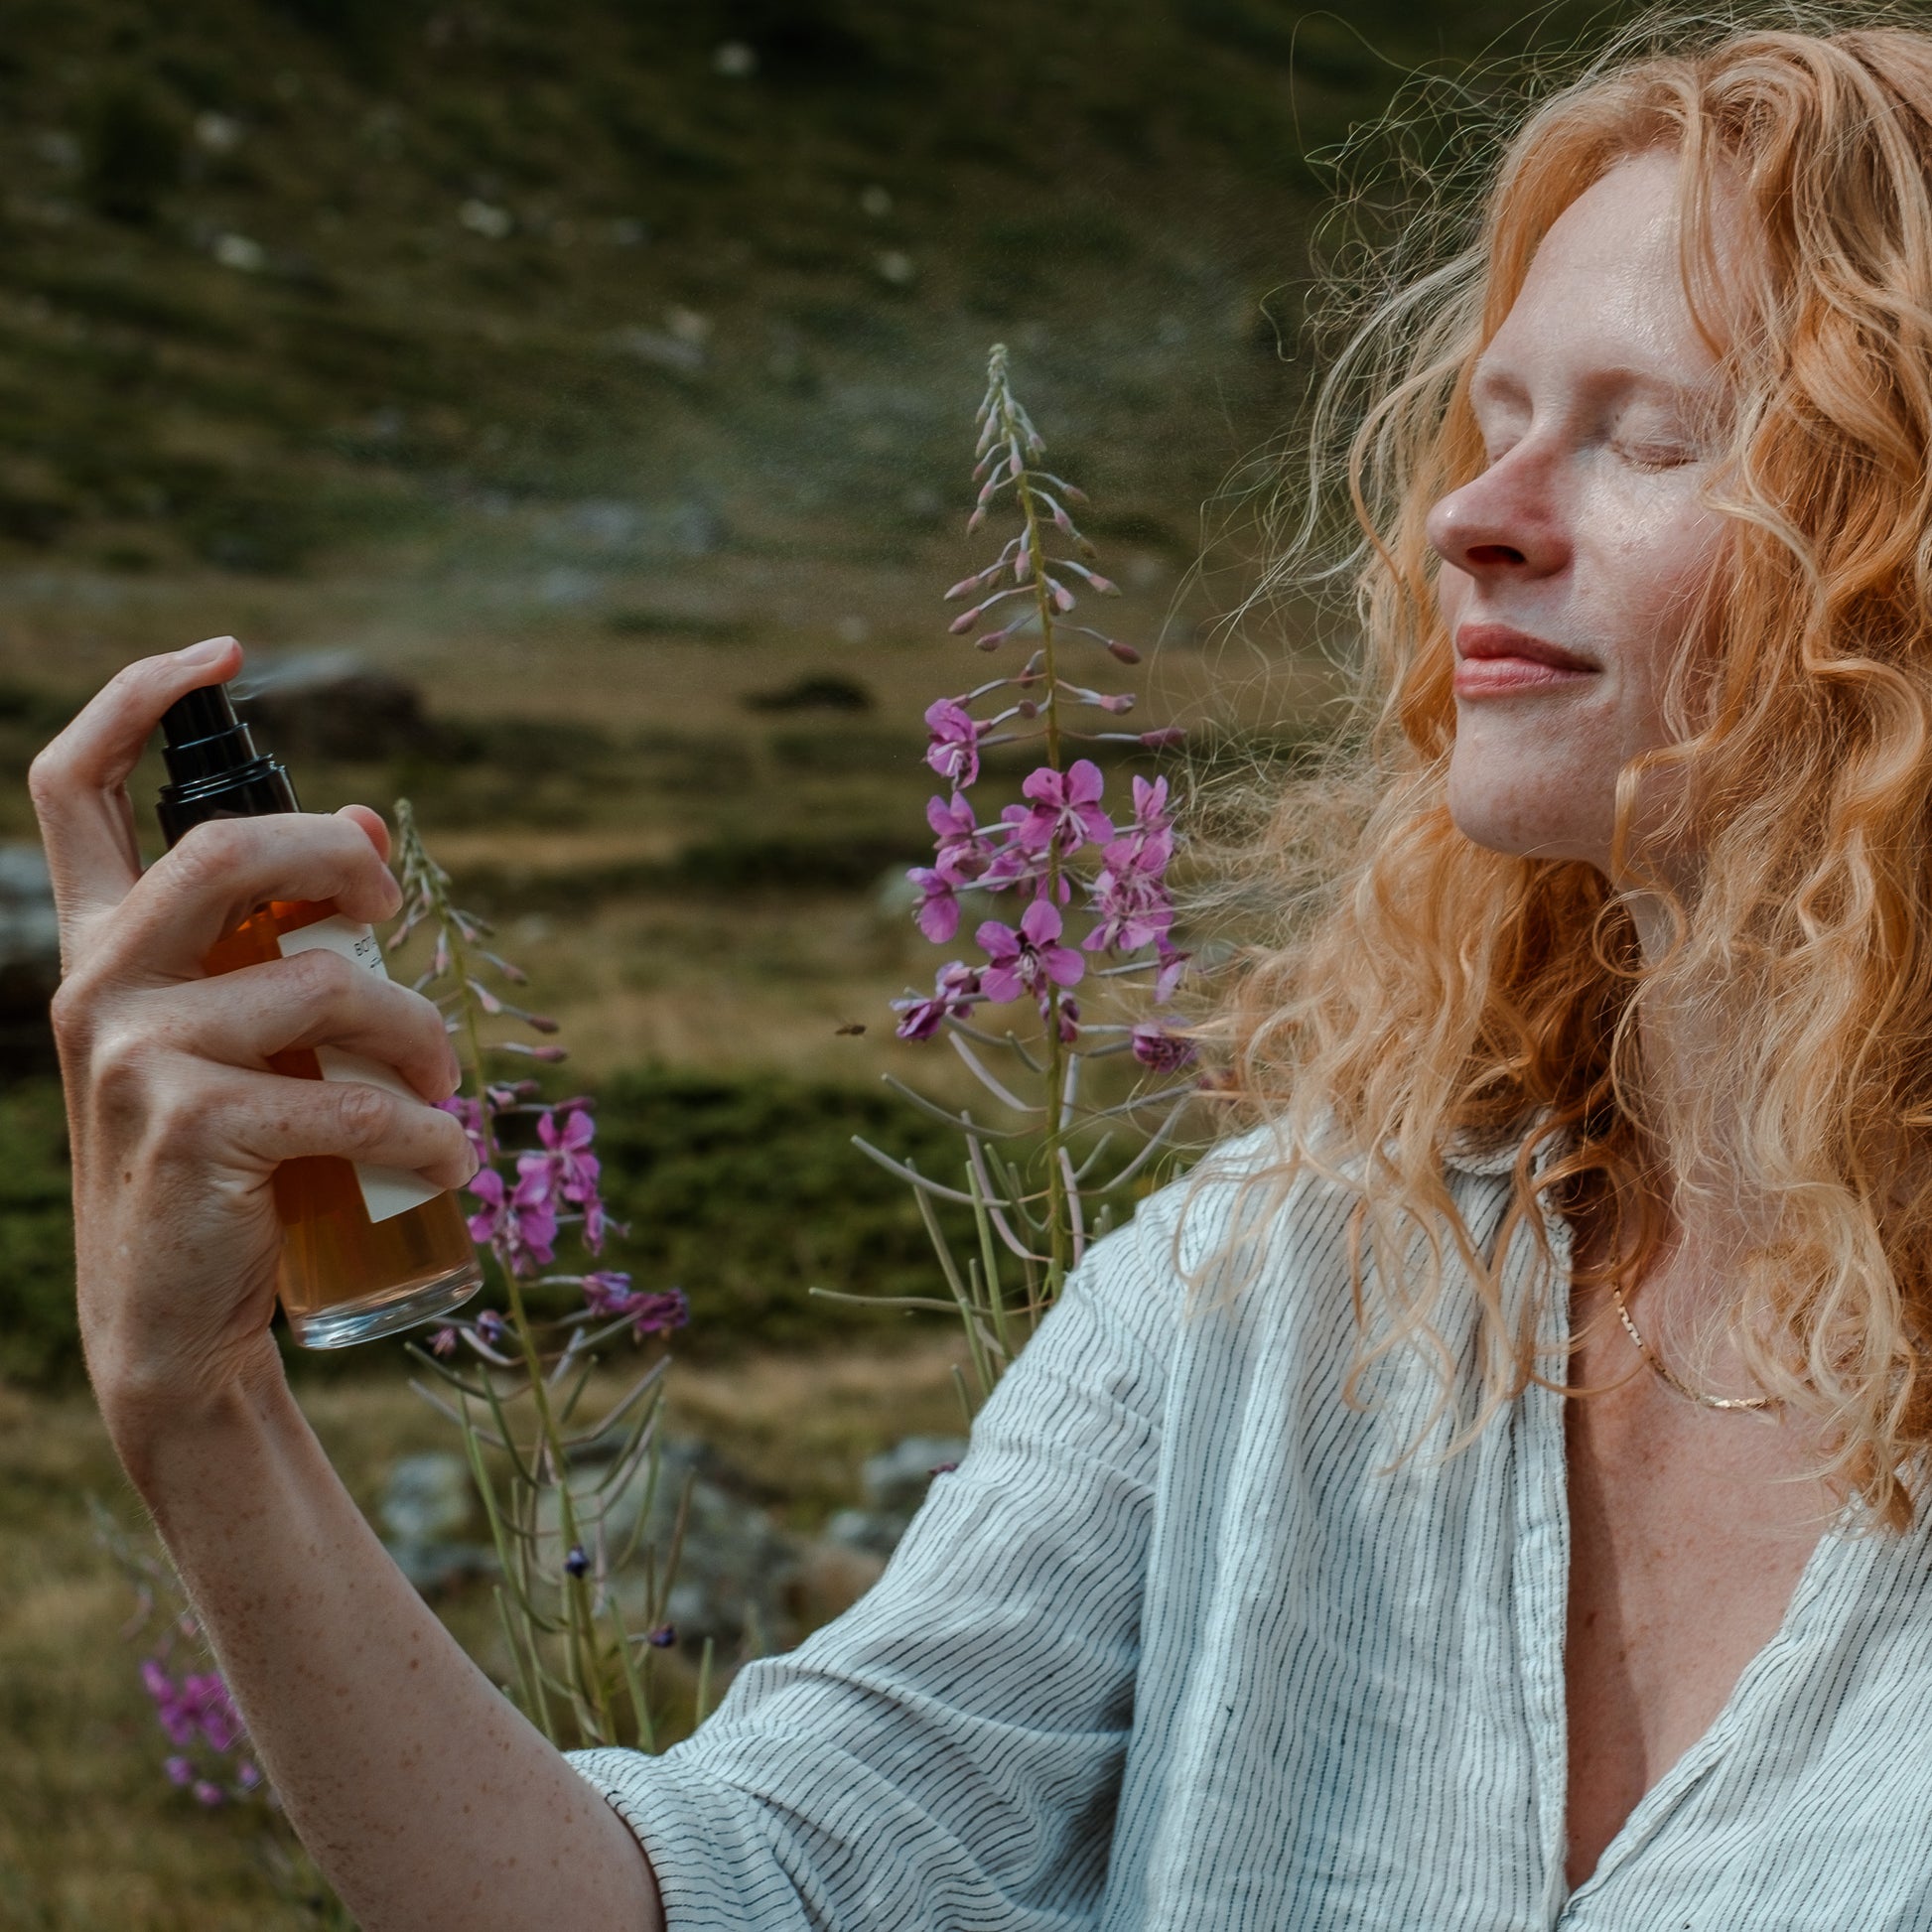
<point x="1655" y="569"/>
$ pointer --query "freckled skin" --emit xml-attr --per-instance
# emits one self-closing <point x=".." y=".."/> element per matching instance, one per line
<point x="1688" y="1527"/>
<point x="1586" y="530"/>
<point x="430" y="1801"/>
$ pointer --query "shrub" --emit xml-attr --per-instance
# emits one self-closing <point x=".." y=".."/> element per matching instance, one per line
<point x="747" y="1192"/>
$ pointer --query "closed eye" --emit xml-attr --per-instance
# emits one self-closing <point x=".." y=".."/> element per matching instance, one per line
<point x="1657" y="455"/>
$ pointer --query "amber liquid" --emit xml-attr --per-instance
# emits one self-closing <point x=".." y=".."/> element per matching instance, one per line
<point x="344" y="1277"/>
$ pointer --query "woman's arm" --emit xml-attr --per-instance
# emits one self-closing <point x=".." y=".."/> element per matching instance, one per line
<point x="426" y="1798"/>
<point x="950" y="1752"/>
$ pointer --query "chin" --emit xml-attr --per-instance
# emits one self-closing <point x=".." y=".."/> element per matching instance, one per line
<point x="1528" y="815"/>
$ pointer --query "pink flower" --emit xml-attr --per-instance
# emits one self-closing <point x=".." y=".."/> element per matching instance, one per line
<point x="524" y="1220"/>
<point x="1028" y="960"/>
<point x="1066" y="812"/>
<point x="596" y="1225"/>
<point x="609" y="1293"/>
<point x="470" y="1114"/>
<point x="1147" y="844"/>
<point x="532" y="1219"/>
<point x="963" y="854"/>
<point x="1173" y="965"/>
<point x="487" y="1184"/>
<point x="954" y="750"/>
<point x="939" y="908"/>
<point x="956" y="991"/>
<point x="566" y="1147"/>
<point x="1165" y="1052"/>
<point x="1014" y="864"/>
<point x="1133" y="909"/>
<point x="1151" y="806"/>
<point x="199" y="1707"/>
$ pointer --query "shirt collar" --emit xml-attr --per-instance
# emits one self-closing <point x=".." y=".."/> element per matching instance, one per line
<point x="1468" y="1152"/>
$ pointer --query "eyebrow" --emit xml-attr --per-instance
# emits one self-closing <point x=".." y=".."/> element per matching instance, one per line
<point x="1618" y="377"/>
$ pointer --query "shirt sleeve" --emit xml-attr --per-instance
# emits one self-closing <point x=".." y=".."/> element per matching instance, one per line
<point x="948" y="1753"/>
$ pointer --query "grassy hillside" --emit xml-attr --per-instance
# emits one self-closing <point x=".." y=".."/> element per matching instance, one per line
<point x="281" y="276"/>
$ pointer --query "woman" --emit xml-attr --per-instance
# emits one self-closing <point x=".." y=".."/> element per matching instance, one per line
<point x="1487" y="1495"/>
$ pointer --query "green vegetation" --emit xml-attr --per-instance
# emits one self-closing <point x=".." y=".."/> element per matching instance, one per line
<point x="281" y="276"/>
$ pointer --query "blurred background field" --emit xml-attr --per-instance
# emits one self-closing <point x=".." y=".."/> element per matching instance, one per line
<point x="594" y="384"/>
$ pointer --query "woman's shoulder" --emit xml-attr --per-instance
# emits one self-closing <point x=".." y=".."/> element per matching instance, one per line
<point x="1261" y="1206"/>
<point x="1245" y="1192"/>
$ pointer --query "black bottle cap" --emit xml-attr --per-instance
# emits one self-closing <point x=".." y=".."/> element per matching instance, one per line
<point x="214" y="768"/>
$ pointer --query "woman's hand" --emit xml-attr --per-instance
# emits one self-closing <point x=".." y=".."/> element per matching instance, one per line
<point x="431" y="1804"/>
<point x="177" y="1121"/>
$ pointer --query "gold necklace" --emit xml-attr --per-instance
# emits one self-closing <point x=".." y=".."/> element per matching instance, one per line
<point x="1670" y="1380"/>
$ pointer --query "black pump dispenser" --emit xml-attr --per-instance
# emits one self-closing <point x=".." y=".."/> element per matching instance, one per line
<point x="214" y="768"/>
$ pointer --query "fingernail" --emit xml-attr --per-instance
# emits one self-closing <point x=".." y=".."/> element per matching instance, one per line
<point x="206" y="653"/>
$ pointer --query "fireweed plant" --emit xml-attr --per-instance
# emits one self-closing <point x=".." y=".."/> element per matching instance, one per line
<point x="1064" y="859"/>
<point x="201" y="1744"/>
<point x="514" y="1378"/>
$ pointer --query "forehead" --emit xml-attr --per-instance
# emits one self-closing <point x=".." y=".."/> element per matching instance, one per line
<point x="1605" y="289"/>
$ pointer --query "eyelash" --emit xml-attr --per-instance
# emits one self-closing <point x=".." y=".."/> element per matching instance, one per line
<point x="1646" y="455"/>
<point x="1655" y="456"/>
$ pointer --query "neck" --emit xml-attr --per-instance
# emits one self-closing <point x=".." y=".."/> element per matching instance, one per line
<point x="1693" y="1277"/>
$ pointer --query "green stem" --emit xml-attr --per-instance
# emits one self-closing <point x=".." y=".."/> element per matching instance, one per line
<point x="1059" y="1236"/>
<point x="586" y="1679"/>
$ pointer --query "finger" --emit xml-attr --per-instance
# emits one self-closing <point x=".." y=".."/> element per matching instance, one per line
<point x="223" y="871"/>
<point x="264" y="1119"/>
<point x="79" y="781"/>
<point x="314" y="999"/>
<point x="373" y="823"/>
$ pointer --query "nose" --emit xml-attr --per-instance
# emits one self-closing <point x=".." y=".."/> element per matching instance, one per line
<point x="1505" y="521"/>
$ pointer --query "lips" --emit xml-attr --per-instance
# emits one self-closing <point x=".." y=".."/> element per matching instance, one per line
<point x="1495" y="660"/>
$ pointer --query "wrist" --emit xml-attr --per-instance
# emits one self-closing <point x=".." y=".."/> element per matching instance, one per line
<point x="165" y="1431"/>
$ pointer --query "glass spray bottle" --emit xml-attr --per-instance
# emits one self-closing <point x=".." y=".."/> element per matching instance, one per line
<point x="365" y="1250"/>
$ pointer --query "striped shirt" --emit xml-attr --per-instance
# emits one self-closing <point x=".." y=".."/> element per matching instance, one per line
<point x="1176" y="1650"/>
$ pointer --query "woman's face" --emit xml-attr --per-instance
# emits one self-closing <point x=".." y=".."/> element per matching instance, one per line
<point x="1567" y="565"/>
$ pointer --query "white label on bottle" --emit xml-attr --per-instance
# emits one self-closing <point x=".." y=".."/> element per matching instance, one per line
<point x="386" y="1191"/>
